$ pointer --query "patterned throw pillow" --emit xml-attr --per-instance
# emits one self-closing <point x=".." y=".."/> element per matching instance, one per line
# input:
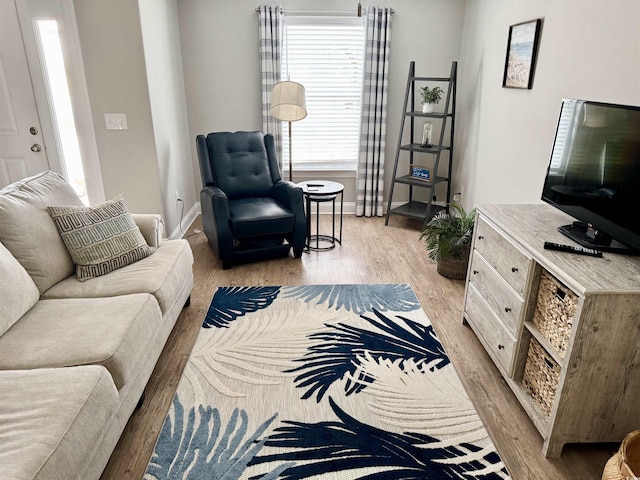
<point x="100" y="239"/>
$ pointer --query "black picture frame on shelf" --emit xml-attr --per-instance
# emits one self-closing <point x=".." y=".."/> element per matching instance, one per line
<point x="522" y="53"/>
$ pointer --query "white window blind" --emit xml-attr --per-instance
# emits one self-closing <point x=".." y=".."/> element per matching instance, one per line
<point x="563" y="135"/>
<point x="325" y="54"/>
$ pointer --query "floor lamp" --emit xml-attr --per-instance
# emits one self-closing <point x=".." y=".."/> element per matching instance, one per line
<point x="288" y="104"/>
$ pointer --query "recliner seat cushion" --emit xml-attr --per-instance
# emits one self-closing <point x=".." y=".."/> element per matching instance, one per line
<point x="162" y="274"/>
<point x="27" y="230"/>
<point x="98" y="331"/>
<point x="240" y="164"/>
<point x="51" y="419"/>
<point x="259" y="217"/>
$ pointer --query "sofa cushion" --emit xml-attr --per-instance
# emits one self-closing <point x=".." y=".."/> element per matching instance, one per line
<point x="100" y="239"/>
<point x="17" y="290"/>
<point x="162" y="274"/>
<point x="50" y="419"/>
<point x="112" y="332"/>
<point x="27" y="230"/>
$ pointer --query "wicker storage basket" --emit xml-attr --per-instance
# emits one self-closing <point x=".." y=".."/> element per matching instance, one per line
<point x="555" y="307"/>
<point x="625" y="464"/>
<point x="541" y="375"/>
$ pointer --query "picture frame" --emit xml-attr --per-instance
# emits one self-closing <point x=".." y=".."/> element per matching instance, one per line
<point x="522" y="52"/>
<point x="419" y="173"/>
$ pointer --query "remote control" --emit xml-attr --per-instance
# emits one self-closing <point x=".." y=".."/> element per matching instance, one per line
<point x="572" y="249"/>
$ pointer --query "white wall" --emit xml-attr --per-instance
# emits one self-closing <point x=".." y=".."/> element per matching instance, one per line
<point x="163" y="59"/>
<point x="132" y="58"/>
<point x="114" y="63"/>
<point x="589" y="50"/>
<point x="220" y="51"/>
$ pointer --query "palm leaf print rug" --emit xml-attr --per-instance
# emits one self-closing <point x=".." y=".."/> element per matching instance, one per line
<point x="321" y="381"/>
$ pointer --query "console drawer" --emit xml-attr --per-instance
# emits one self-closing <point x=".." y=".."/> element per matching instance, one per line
<point x="498" y="342"/>
<point x="503" y="256"/>
<point x="502" y="299"/>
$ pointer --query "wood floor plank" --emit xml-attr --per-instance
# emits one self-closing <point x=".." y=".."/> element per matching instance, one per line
<point x="371" y="253"/>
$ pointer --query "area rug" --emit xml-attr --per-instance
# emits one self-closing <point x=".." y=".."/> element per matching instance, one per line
<point x="322" y="382"/>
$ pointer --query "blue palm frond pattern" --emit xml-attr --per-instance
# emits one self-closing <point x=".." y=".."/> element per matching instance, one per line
<point x="337" y="352"/>
<point x="321" y="382"/>
<point x="201" y="447"/>
<point x="348" y="444"/>
<point x="359" y="299"/>
<point x="229" y="303"/>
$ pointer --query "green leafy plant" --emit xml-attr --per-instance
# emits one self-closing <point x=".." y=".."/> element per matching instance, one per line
<point x="448" y="235"/>
<point x="431" y="95"/>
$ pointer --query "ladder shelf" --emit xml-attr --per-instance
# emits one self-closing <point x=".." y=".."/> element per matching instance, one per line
<point x="425" y="209"/>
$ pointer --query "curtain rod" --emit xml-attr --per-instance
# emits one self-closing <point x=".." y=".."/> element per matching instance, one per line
<point x="319" y="12"/>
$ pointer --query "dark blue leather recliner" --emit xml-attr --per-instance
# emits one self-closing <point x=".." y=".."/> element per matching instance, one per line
<point x="248" y="212"/>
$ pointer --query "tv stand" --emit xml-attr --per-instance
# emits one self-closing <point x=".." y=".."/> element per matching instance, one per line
<point x="513" y="282"/>
<point x="579" y="233"/>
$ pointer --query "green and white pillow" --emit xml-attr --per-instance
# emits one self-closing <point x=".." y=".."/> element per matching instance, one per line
<point x="100" y="239"/>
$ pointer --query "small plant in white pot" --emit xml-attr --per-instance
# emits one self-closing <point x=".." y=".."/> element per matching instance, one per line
<point x="430" y="97"/>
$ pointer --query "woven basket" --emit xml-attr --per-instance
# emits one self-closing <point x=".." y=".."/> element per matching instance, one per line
<point x="626" y="461"/>
<point x="555" y="307"/>
<point x="454" y="269"/>
<point x="541" y="375"/>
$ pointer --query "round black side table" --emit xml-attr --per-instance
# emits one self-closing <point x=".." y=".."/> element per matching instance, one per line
<point x="320" y="191"/>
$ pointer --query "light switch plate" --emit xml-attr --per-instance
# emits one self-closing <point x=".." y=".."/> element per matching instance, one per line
<point x="115" y="121"/>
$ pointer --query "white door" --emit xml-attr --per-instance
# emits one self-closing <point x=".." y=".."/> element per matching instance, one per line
<point x="22" y="148"/>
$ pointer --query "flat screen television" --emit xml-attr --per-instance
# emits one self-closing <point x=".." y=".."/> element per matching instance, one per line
<point x="594" y="174"/>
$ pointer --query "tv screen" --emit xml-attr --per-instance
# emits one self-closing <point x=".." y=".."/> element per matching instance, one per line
<point x="594" y="174"/>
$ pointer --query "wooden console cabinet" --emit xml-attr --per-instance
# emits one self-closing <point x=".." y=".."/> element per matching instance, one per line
<point x="597" y="397"/>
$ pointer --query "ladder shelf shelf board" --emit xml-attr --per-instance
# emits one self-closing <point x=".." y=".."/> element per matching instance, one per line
<point x="418" y="154"/>
<point x="415" y="209"/>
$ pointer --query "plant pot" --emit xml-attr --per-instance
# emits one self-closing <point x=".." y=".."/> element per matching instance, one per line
<point x="453" y="268"/>
<point x="428" y="107"/>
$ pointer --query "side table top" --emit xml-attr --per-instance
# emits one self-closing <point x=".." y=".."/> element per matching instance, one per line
<point x="321" y="187"/>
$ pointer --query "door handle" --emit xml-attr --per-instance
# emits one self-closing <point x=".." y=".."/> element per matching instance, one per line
<point x="36" y="147"/>
<point x="33" y="131"/>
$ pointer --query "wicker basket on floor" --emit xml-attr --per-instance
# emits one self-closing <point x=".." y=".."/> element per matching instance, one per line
<point x="626" y="461"/>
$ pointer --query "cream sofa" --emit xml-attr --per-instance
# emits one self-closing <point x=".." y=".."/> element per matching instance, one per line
<point x="75" y="356"/>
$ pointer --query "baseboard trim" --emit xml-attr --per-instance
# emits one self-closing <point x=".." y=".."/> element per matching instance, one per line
<point x="349" y="208"/>
<point x="187" y="221"/>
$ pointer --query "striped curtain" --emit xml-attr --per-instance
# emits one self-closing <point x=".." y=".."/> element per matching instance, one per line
<point x="271" y="28"/>
<point x="370" y="175"/>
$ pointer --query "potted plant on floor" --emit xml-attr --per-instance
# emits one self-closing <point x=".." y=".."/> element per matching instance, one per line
<point x="430" y="97"/>
<point x="447" y="237"/>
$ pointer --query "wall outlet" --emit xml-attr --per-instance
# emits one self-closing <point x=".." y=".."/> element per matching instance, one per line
<point x="178" y="196"/>
<point x="458" y="195"/>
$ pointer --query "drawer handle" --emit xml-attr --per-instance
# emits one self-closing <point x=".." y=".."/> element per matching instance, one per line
<point x="514" y="269"/>
<point x="500" y="347"/>
<point x="507" y="309"/>
<point x="480" y="237"/>
<point x="475" y="272"/>
<point x="560" y="293"/>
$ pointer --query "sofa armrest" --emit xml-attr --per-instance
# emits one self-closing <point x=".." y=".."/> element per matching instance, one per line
<point x="151" y="226"/>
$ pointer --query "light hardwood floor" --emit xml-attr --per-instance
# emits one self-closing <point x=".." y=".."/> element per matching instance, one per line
<point x="371" y="253"/>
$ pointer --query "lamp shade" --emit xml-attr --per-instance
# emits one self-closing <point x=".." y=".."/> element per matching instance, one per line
<point x="288" y="102"/>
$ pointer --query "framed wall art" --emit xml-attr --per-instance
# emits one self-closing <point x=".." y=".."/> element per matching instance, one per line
<point x="522" y="49"/>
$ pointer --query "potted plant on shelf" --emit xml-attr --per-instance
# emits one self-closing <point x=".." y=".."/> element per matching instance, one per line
<point x="447" y="237"/>
<point x="430" y="97"/>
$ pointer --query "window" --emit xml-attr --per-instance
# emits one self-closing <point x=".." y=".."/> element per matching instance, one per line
<point x="325" y="54"/>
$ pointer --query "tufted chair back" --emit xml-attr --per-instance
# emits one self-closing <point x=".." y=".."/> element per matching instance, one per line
<point x="241" y="164"/>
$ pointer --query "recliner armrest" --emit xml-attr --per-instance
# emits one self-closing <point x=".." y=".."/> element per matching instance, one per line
<point x="289" y="195"/>
<point x="151" y="226"/>
<point x="215" y="221"/>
